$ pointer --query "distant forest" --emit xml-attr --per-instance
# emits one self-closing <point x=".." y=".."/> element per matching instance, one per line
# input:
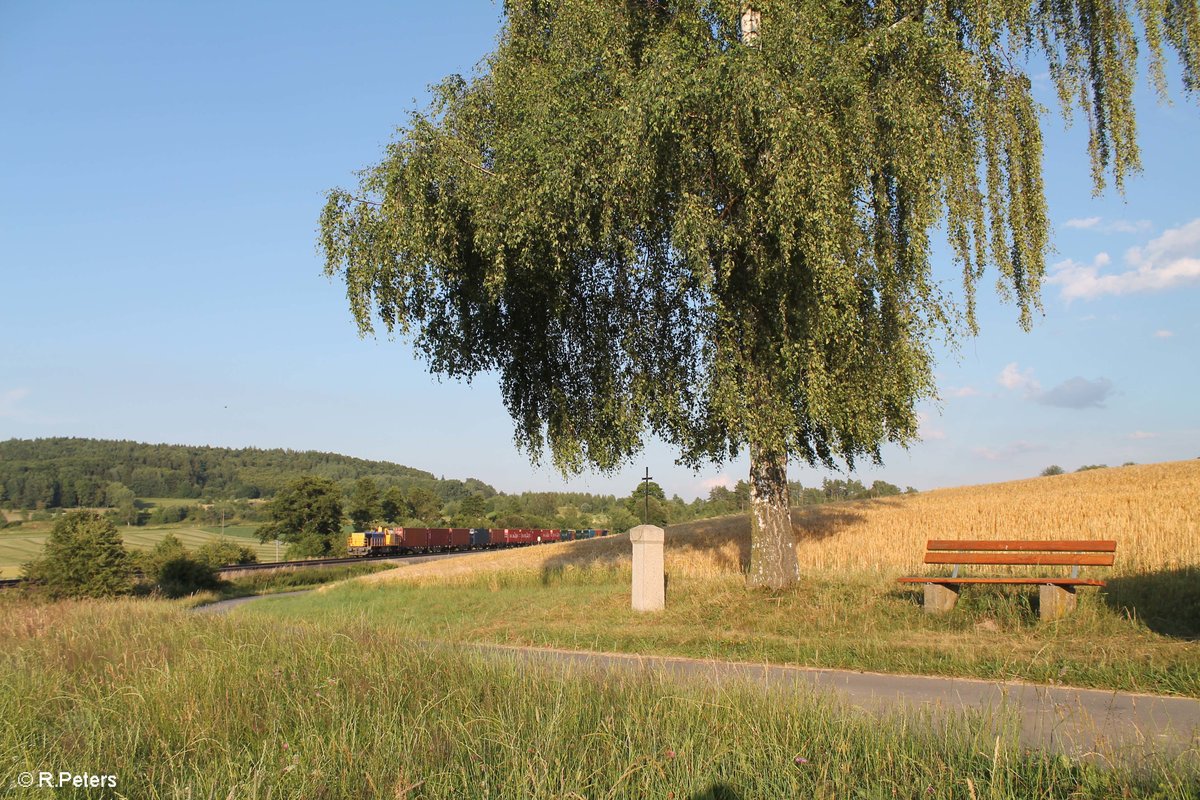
<point x="68" y="473"/>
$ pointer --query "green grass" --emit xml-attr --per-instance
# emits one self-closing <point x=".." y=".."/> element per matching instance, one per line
<point x="270" y="582"/>
<point x="19" y="545"/>
<point x="181" y="705"/>
<point x="848" y="621"/>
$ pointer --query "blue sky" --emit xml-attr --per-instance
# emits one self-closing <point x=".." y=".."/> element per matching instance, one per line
<point x="163" y="166"/>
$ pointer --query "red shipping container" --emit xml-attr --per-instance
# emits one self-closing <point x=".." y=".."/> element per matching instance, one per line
<point x="439" y="537"/>
<point x="460" y="537"/>
<point x="416" y="537"/>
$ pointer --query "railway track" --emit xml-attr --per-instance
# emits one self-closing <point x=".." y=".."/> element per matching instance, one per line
<point x="304" y="563"/>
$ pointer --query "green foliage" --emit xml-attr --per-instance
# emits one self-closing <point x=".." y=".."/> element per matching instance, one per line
<point x="1053" y="469"/>
<point x="393" y="507"/>
<point x="645" y="227"/>
<point x="223" y="551"/>
<point x="364" y="506"/>
<point x="174" y="572"/>
<point x="83" y="557"/>
<point x="424" y="505"/>
<point x="1087" y="467"/>
<point x="307" y="515"/>
<point x="62" y="472"/>
<point x="184" y="575"/>
<point x="640" y="224"/>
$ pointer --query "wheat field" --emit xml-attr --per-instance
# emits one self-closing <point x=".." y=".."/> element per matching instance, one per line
<point x="1151" y="510"/>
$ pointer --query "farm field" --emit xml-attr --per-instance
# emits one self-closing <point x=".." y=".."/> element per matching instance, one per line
<point x="23" y="544"/>
<point x="1138" y="634"/>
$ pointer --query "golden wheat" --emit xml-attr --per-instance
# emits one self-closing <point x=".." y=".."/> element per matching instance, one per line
<point x="1152" y="511"/>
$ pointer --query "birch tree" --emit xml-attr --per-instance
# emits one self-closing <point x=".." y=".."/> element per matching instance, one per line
<point x="645" y="222"/>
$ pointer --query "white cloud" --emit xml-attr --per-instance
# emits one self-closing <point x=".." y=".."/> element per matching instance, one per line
<point x="963" y="391"/>
<point x="1076" y="392"/>
<point x="1138" y="435"/>
<point x="1112" y="226"/>
<point x="1169" y="261"/>
<point x="1128" y="226"/>
<point x="1164" y="334"/>
<point x="708" y="484"/>
<point x="1011" y="377"/>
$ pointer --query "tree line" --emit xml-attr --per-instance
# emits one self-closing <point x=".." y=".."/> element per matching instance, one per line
<point x="38" y="474"/>
<point x="310" y="514"/>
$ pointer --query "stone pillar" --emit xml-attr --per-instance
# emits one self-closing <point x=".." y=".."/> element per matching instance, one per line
<point x="649" y="589"/>
<point x="1055" y="601"/>
<point x="940" y="598"/>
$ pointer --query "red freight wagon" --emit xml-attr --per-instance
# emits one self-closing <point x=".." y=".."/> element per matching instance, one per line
<point x="460" y="537"/>
<point x="512" y="536"/>
<point x="439" y="537"/>
<point x="551" y="535"/>
<point x="416" y="537"/>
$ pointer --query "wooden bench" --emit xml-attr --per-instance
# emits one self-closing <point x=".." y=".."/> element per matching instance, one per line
<point x="1057" y="595"/>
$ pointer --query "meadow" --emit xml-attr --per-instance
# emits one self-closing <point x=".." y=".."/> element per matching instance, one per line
<point x="361" y="690"/>
<point x="23" y="544"/>
<point x="1138" y="634"/>
<point x="180" y="705"/>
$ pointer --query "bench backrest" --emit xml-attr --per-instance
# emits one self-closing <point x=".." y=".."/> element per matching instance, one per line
<point x="1091" y="553"/>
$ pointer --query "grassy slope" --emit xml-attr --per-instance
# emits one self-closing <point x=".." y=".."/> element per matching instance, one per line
<point x="848" y="611"/>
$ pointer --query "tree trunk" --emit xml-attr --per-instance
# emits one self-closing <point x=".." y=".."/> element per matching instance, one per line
<point x="772" y="545"/>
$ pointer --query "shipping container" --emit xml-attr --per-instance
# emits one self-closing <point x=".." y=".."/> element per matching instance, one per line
<point x="480" y="537"/>
<point x="460" y="537"/>
<point x="439" y="537"/>
<point x="416" y="538"/>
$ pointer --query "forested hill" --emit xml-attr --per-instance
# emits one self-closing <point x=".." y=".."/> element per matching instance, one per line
<point x="62" y="472"/>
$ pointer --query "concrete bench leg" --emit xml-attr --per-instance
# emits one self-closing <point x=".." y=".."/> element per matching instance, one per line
<point x="1055" y="601"/>
<point x="940" y="598"/>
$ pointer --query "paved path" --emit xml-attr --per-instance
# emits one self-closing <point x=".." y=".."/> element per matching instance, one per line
<point x="1104" y="726"/>
<point x="225" y="606"/>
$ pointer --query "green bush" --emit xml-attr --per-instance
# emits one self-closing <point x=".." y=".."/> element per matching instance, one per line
<point x="173" y="571"/>
<point x="219" y="553"/>
<point x="84" y="557"/>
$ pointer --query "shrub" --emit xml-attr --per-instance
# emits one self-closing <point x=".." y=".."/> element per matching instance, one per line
<point x="84" y="557"/>
<point x="222" y="552"/>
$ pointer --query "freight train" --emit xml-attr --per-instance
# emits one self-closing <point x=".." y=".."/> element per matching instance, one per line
<point x="399" y="541"/>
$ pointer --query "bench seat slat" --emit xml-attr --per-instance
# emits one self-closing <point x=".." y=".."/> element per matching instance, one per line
<point x="1024" y="559"/>
<point x="947" y="580"/>
<point x="1007" y="545"/>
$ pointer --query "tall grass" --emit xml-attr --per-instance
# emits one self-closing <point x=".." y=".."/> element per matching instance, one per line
<point x="182" y="706"/>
